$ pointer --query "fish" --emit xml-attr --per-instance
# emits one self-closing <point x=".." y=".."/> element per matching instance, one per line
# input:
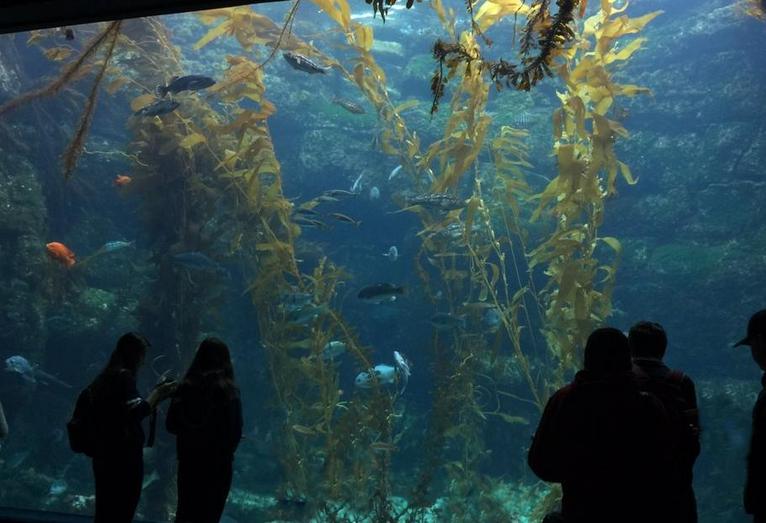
<point x="380" y="292"/>
<point x="309" y="222"/>
<point x="327" y="198"/>
<point x="61" y="253"/>
<point x="68" y="33"/>
<point x="339" y="193"/>
<point x="394" y="172"/>
<point x="158" y="108"/>
<point x="306" y="313"/>
<point x="349" y="106"/>
<point x="333" y="349"/>
<point x="306" y="212"/>
<point x="301" y="63"/>
<point x="58" y="487"/>
<point x="116" y="245"/>
<point x="405" y="370"/>
<point x="121" y="180"/>
<point x="438" y="201"/>
<point x="382" y="446"/>
<point x="392" y="254"/>
<point x="374" y="193"/>
<point x="295" y="298"/>
<point x="492" y="318"/>
<point x="191" y="82"/>
<point x="379" y="374"/>
<point x="17" y="459"/>
<point x="356" y="187"/>
<point x="31" y="373"/>
<point x="197" y="261"/>
<point x="445" y="321"/>
<point x="345" y="218"/>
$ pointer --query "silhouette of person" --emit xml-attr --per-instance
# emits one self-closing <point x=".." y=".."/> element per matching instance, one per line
<point x="755" y="484"/>
<point x="118" y="465"/>
<point x="206" y="417"/>
<point x="676" y="391"/>
<point x="3" y="424"/>
<point x="604" y="440"/>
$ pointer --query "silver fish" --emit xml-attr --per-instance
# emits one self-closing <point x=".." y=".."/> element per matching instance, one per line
<point x="392" y="254"/>
<point x="301" y="63"/>
<point x="438" y="201"/>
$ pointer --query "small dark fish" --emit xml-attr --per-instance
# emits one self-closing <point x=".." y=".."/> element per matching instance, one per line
<point x="308" y="222"/>
<point x="439" y="201"/>
<point x="380" y="292"/>
<point x="339" y="193"/>
<point x="192" y="82"/>
<point x="301" y="63"/>
<point x="69" y="33"/>
<point x="345" y="218"/>
<point x="158" y="108"/>
<point x="446" y="321"/>
<point x="196" y="260"/>
<point x="349" y="106"/>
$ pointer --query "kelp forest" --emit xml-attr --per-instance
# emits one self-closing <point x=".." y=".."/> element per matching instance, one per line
<point x="502" y="238"/>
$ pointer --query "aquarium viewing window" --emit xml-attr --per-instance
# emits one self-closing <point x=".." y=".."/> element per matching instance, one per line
<point x="404" y="220"/>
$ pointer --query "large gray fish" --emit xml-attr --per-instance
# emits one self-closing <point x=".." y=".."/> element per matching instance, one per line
<point x="349" y="106"/>
<point x="301" y="63"/>
<point x="31" y="373"/>
<point x="158" y="108"/>
<point x="438" y="201"/>
<point x="380" y="292"/>
<point x="191" y="82"/>
<point x="445" y="321"/>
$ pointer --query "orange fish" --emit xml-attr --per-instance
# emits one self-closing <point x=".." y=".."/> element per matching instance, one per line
<point x="122" y="180"/>
<point x="61" y="253"/>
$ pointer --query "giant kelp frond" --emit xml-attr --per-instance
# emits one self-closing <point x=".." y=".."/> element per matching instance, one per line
<point x="69" y="73"/>
<point x="75" y="147"/>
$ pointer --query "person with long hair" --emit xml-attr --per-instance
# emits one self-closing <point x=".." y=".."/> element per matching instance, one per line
<point x="118" y="465"/>
<point x="206" y="417"/>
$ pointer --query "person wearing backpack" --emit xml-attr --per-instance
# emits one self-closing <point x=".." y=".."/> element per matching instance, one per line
<point x="755" y="484"/>
<point x="676" y="391"/>
<point x="106" y="426"/>
<point x="205" y="414"/>
<point x="604" y="440"/>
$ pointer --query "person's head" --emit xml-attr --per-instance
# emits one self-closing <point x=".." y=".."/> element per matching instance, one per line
<point x="647" y="340"/>
<point x="756" y="338"/>
<point x="211" y="363"/>
<point x="130" y="353"/>
<point x="607" y="351"/>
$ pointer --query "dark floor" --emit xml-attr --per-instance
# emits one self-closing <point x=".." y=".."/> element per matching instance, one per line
<point x="12" y="515"/>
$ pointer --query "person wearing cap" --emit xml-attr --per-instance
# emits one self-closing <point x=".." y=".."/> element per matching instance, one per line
<point x="676" y="391"/>
<point x="755" y="484"/>
<point x="605" y="440"/>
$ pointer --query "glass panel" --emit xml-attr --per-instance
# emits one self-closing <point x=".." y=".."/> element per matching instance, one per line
<point x="404" y="231"/>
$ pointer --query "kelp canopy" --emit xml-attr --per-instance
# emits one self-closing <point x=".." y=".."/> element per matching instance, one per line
<point x="208" y="180"/>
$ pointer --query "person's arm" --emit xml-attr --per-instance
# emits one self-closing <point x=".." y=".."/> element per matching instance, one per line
<point x="135" y="405"/>
<point x="3" y="424"/>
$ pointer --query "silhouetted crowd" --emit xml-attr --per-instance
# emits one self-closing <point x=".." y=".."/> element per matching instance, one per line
<point x="622" y="438"/>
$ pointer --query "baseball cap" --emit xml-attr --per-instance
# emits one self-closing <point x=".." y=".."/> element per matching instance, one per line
<point x="756" y="326"/>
